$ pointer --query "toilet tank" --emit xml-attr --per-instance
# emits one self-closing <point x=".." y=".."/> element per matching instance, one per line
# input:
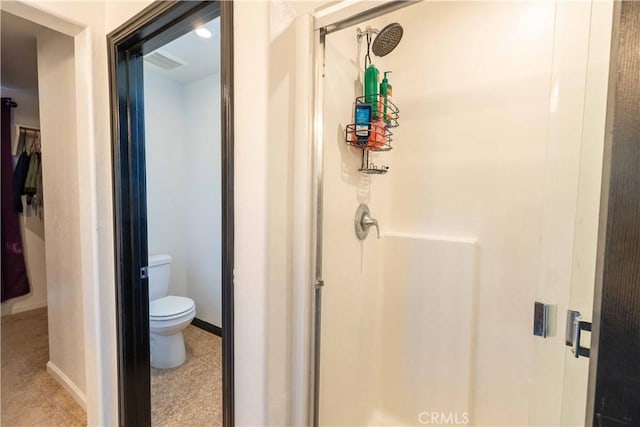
<point x="159" y="274"/>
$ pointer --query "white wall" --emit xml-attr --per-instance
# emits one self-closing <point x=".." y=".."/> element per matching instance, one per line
<point x="61" y="204"/>
<point x="27" y="113"/>
<point x="182" y="126"/>
<point x="31" y="226"/>
<point x="203" y="197"/>
<point x="269" y="267"/>
<point x="166" y="145"/>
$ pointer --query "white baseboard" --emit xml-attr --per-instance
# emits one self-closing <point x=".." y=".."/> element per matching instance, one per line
<point x="68" y="385"/>
<point x="9" y="307"/>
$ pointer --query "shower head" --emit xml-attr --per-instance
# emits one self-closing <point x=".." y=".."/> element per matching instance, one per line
<point x="387" y="39"/>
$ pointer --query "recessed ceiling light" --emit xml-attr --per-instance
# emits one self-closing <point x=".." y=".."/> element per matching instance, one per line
<point x="203" y="32"/>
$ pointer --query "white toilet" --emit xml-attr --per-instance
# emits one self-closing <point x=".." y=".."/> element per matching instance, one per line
<point x="168" y="316"/>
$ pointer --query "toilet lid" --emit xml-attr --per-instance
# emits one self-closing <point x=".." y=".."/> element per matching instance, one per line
<point x="169" y="306"/>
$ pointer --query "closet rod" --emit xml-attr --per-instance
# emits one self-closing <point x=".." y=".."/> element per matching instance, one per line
<point x="29" y="128"/>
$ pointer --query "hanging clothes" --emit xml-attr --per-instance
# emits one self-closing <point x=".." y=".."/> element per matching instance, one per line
<point x="31" y="182"/>
<point x="19" y="178"/>
<point x="14" y="270"/>
<point x="37" y="202"/>
<point x="27" y="172"/>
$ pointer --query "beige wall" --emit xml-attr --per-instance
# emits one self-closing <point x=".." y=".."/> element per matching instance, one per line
<point x="203" y="225"/>
<point x="273" y="81"/>
<point x="56" y="81"/>
<point x="165" y="157"/>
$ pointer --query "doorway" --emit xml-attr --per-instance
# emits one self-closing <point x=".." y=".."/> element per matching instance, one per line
<point x="43" y="323"/>
<point x="172" y="122"/>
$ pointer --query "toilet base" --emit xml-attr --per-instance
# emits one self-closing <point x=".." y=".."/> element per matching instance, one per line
<point x="167" y="351"/>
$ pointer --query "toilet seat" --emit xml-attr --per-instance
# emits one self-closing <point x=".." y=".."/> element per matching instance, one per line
<point x="170" y="307"/>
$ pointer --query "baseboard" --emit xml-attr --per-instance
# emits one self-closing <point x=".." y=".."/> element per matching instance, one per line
<point x="209" y="327"/>
<point x="68" y="385"/>
<point x="9" y="307"/>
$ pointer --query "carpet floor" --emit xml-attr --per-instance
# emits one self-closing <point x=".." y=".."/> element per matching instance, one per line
<point x="29" y="395"/>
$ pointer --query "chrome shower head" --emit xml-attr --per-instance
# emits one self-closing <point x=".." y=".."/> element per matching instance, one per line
<point x="387" y="39"/>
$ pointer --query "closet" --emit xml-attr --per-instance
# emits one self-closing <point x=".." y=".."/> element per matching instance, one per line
<point x="23" y="257"/>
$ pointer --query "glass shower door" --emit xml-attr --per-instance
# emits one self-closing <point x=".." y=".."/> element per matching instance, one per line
<point x="432" y="322"/>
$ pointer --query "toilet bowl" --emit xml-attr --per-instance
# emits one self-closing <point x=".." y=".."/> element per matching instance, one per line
<point x="168" y="316"/>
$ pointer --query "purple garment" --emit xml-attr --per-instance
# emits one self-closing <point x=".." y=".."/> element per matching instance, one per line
<point x="14" y="270"/>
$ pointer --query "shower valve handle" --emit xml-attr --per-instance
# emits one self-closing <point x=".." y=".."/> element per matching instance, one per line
<point x="367" y="222"/>
<point x="363" y="221"/>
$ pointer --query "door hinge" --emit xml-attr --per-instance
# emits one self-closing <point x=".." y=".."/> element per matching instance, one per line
<point x="573" y="332"/>
<point x="319" y="283"/>
<point x="144" y="273"/>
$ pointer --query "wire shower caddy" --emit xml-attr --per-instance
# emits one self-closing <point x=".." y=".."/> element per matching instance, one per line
<point x="380" y="135"/>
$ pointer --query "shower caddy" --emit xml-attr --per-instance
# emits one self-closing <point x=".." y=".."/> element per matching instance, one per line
<point x="380" y="137"/>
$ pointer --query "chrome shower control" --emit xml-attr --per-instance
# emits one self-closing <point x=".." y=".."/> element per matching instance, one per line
<point x="363" y="222"/>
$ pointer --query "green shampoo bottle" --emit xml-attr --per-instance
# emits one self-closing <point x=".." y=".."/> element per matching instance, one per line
<point x="371" y="78"/>
<point x="385" y="94"/>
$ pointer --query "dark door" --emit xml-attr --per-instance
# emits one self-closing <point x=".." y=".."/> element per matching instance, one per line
<point x="616" y="377"/>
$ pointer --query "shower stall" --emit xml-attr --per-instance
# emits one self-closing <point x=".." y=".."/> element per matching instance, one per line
<point x="487" y="200"/>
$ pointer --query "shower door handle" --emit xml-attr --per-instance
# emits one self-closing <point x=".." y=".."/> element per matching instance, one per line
<point x="573" y="332"/>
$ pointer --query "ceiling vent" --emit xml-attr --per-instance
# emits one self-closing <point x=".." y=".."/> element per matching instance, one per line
<point x="163" y="60"/>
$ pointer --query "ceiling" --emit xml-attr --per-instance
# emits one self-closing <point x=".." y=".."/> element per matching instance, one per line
<point x="200" y="57"/>
<point x="19" y="63"/>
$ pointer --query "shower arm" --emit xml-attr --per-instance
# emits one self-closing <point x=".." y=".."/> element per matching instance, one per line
<point x="360" y="33"/>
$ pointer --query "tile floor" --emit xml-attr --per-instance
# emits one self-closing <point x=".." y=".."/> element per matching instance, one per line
<point x="30" y="396"/>
<point x="190" y="395"/>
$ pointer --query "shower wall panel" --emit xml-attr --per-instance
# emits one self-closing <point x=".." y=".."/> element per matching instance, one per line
<point x="426" y="333"/>
<point x="349" y="355"/>
<point x="472" y="81"/>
